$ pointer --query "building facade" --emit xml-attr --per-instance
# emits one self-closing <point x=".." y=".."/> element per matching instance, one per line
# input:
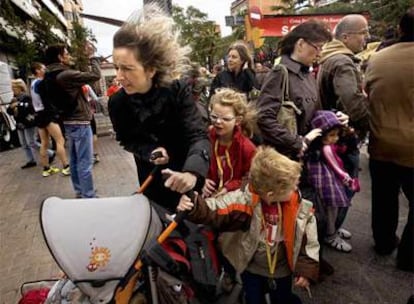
<point x="65" y="12"/>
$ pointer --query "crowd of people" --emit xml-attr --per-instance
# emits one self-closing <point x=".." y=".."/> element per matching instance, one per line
<point x="39" y="120"/>
<point x="320" y="160"/>
<point x="274" y="195"/>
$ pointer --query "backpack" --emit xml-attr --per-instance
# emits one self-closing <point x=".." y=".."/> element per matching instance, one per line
<point x="54" y="95"/>
<point x="189" y="254"/>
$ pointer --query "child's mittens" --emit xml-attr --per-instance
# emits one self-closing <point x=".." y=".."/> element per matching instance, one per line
<point x="352" y="183"/>
<point x="355" y="185"/>
<point x="347" y="181"/>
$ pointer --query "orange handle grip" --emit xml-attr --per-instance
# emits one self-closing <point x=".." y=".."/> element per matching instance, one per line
<point x="145" y="184"/>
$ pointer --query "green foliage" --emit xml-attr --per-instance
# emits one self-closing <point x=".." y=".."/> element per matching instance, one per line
<point x="337" y="7"/>
<point x="41" y="29"/>
<point x="386" y="14"/>
<point x="383" y="13"/>
<point x="198" y="32"/>
<point x="33" y="35"/>
<point x="18" y="43"/>
<point x="29" y="36"/>
<point x="79" y="39"/>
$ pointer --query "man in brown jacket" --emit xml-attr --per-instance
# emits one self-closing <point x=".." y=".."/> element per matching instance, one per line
<point x="339" y="76"/>
<point x="77" y="123"/>
<point x="390" y="86"/>
<point x="340" y="86"/>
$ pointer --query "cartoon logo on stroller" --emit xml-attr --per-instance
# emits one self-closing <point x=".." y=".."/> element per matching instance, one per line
<point x="100" y="257"/>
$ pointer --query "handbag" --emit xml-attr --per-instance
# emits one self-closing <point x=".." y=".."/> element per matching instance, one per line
<point x="288" y="110"/>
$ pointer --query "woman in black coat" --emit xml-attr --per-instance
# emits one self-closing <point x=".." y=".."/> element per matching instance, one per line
<point x="155" y="112"/>
<point x="239" y="74"/>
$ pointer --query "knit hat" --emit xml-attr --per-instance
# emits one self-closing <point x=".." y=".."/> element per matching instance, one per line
<point x="325" y="120"/>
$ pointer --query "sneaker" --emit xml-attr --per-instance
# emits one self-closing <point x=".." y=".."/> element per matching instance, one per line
<point x="65" y="171"/>
<point x="29" y="164"/>
<point x="339" y="244"/>
<point x="50" y="171"/>
<point x="344" y="234"/>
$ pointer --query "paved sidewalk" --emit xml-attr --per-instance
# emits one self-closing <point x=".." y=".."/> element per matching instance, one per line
<point x="361" y="277"/>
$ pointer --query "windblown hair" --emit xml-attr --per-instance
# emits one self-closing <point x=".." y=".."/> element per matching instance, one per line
<point x="272" y="171"/>
<point x="312" y="30"/>
<point x="154" y="38"/>
<point x="19" y="84"/>
<point x="241" y="47"/>
<point x="238" y="101"/>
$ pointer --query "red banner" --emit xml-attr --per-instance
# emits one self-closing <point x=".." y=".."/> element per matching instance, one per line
<point x="278" y="26"/>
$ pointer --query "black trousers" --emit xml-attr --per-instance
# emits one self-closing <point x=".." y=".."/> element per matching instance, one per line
<point x="387" y="179"/>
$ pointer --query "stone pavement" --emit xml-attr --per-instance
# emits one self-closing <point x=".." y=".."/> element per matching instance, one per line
<point x="361" y="277"/>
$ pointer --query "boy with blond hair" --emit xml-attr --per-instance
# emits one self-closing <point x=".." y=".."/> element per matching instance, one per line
<point x="269" y="231"/>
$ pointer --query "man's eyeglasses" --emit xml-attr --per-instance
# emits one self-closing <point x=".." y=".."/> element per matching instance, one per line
<point x="364" y="32"/>
<point x="316" y="47"/>
<point x="215" y="117"/>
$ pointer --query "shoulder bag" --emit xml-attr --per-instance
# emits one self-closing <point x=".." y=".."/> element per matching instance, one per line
<point x="288" y="110"/>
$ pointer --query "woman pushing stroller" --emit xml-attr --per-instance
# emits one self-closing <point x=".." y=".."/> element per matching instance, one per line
<point x="153" y="111"/>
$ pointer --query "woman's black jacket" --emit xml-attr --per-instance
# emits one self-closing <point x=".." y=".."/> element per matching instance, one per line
<point x="163" y="117"/>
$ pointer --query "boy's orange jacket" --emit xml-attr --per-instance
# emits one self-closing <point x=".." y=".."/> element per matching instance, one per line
<point x="238" y="215"/>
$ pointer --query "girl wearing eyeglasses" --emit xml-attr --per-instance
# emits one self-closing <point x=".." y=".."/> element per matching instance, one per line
<point x="233" y="122"/>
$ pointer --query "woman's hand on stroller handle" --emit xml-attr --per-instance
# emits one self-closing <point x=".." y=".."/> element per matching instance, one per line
<point x="159" y="156"/>
<point x="181" y="182"/>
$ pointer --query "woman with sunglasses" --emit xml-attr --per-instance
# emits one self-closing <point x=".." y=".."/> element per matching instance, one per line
<point x="233" y="122"/>
<point x="299" y="49"/>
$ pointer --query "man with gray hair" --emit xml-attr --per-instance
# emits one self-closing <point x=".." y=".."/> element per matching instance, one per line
<point x="340" y="88"/>
<point x="339" y="77"/>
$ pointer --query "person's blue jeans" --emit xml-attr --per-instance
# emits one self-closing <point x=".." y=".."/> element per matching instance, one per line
<point x="79" y="139"/>
<point x="256" y="286"/>
<point x="27" y="141"/>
